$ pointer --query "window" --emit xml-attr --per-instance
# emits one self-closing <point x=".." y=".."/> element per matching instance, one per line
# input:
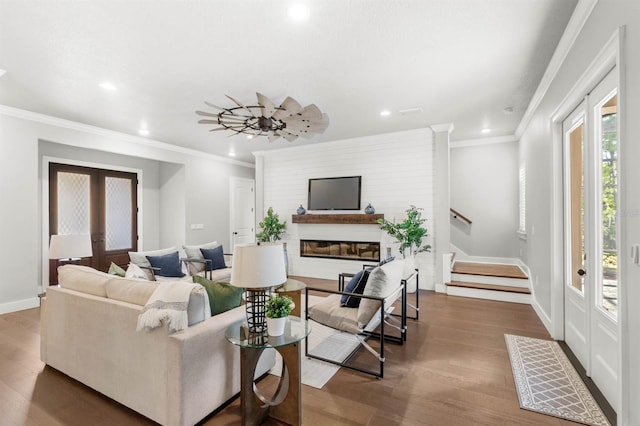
<point x="522" y="186"/>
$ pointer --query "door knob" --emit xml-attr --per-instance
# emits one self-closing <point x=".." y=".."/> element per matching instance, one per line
<point x="582" y="272"/>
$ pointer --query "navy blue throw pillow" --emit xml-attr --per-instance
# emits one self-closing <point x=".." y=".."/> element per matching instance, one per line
<point x="356" y="285"/>
<point x="169" y="265"/>
<point x="216" y="256"/>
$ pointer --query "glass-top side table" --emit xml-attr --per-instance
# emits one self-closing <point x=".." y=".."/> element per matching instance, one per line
<point x="286" y="403"/>
<point x="293" y="288"/>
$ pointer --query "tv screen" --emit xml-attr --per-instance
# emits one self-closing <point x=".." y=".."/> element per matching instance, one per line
<point x="340" y="193"/>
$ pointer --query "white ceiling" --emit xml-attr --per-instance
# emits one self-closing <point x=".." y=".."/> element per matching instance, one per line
<point x="461" y="61"/>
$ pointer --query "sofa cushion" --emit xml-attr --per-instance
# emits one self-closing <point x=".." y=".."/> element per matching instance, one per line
<point x="222" y="296"/>
<point x="383" y="281"/>
<point x="140" y="257"/>
<point x="134" y="291"/>
<point x="193" y="252"/>
<point x="83" y="279"/>
<point x="330" y="313"/>
<point x="216" y="256"/>
<point x="169" y="265"/>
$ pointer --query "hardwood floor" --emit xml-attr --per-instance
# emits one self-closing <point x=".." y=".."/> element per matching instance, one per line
<point x="453" y="370"/>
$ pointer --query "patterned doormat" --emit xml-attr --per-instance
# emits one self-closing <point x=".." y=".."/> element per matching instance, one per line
<point x="547" y="382"/>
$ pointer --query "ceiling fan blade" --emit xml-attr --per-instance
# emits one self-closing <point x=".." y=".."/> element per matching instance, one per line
<point x="241" y="105"/>
<point x="288" y="107"/>
<point x="214" y="106"/>
<point x="311" y="112"/>
<point x="273" y="136"/>
<point x="205" y="121"/>
<point x="206" y="114"/>
<point x="266" y="106"/>
<point x="228" y="128"/>
<point x="288" y="136"/>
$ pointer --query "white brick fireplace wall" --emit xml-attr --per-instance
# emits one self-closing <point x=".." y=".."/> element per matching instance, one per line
<point x="397" y="171"/>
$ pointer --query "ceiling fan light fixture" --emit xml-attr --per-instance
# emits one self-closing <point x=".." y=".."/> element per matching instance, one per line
<point x="385" y="113"/>
<point x="289" y="120"/>
<point x="109" y="87"/>
<point x="299" y="12"/>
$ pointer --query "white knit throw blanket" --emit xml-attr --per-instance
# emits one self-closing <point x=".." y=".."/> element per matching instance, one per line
<point x="168" y="304"/>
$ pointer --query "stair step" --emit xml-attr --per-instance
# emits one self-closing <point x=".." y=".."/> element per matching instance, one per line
<point x="483" y="286"/>
<point x="489" y="269"/>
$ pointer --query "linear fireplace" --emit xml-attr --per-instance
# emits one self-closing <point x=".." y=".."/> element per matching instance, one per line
<point x="349" y="250"/>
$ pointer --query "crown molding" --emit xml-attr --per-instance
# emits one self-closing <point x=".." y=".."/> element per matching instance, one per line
<point x="444" y="127"/>
<point x="483" y="141"/>
<point x="99" y="131"/>
<point x="577" y="21"/>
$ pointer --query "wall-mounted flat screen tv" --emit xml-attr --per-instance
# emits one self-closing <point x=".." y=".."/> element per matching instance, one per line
<point x="338" y="193"/>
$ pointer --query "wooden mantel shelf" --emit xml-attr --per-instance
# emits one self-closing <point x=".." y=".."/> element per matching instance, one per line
<point x="346" y="219"/>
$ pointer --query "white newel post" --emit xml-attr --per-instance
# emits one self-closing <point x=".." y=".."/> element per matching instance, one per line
<point x="442" y="233"/>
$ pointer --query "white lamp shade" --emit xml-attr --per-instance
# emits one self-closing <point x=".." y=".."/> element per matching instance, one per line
<point x="70" y="246"/>
<point x="258" y="266"/>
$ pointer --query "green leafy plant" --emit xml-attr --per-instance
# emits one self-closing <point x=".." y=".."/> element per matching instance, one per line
<point x="409" y="233"/>
<point x="278" y="306"/>
<point x="272" y="228"/>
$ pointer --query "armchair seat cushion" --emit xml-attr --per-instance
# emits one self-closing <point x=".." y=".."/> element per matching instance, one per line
<point x="330" y="313"/>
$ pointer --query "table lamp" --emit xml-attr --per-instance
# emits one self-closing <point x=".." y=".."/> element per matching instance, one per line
<point x="70" y="247"/>
<point x="257" y="267"/>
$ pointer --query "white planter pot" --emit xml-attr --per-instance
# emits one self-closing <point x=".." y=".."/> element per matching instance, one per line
<point x="275" y="326"/>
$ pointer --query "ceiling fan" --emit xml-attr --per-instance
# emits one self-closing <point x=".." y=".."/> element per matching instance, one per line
<point x="289" y="120"/>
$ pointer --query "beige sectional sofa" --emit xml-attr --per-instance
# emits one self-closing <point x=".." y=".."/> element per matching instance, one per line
<point x="89" y="333"/>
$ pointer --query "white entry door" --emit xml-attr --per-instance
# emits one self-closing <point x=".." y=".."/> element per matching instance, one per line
<point x="591" y="299"/>
<point x="242" y="213"/>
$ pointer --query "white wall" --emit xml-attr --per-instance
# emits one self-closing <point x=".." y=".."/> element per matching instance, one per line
<point x="537" y="148"/>
<point x="484" y="188"/>
<point x="204" y="184"/>
<point x="396" y="170"/>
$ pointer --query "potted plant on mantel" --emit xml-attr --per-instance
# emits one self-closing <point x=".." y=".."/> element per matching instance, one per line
<point x="409" y="233"/>
<point x="277" y="309"/>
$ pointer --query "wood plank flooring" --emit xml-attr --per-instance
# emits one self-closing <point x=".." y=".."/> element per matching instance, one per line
<point x="489" y="269"/>
<point x="453" y="370"/>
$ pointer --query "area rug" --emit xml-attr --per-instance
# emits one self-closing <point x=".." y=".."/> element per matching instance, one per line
<point x="547" y="382"/>
<point x="325" y="342"/>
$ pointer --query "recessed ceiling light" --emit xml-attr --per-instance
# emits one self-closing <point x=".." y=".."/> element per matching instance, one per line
<point x="249" y="137"/>
<point x="107" y="86"/>
<point x="385" y="113"/>
<point x="232" y="154"/>
<point x="143" y="132"/>
<point x="486" y="130"/>
<point x="299" y="12"/>
<point x="2" y="72"/>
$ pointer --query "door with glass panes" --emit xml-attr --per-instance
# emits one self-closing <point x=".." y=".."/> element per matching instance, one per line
<point x="591" y="297"/>
<point x="98" y="202"/>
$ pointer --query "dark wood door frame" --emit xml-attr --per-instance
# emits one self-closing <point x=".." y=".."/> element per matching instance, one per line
<point x="101" y="258"/>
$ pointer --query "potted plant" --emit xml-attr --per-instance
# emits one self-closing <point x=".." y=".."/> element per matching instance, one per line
<point x="272" y="228"/>
<point x="277" y="310"/>
<point x="409" y="233"/>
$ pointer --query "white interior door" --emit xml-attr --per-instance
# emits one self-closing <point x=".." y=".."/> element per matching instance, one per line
<point x="591" y="149"/>
<point x="242" y="213"/>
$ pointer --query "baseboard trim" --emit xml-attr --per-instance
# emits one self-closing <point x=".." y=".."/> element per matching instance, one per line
<point x="546" y="320"/>
<point x="19" y="305"/>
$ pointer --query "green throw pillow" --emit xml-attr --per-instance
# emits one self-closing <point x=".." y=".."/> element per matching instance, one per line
<point x="116" y="270"/>
<point x="222" y="296"/>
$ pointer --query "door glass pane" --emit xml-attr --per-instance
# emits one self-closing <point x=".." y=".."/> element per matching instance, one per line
<point x="576" y="219"/>
<point x="608" y="293"/>
<point x="117" y="213"/>
<point x="74" y="203"/>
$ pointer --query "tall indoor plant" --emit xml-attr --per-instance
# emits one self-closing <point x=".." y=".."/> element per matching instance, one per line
<point x="272" y="228"/>
<point x="409" y="233"/>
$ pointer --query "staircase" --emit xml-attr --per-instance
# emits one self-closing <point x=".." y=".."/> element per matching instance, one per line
<point x="493" y="281"/>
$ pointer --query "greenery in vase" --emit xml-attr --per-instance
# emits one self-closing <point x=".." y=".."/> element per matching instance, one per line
<point x="409" y="233"/>
<point x="278" y="306"/>
<point x="272" y="228"/>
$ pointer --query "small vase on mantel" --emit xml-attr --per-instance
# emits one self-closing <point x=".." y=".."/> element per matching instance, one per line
<point x="301" y="210"/>
<point x="369" y="209"/>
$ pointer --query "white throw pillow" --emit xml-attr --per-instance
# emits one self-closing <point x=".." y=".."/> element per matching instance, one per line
<point x="134" y="271"/>
<point x="140" y="257"/>
<point x="193" y="252"/>
<point x="383" y="281"/>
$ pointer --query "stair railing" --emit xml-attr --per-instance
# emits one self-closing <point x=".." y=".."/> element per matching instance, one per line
<point x="457" y="215"/>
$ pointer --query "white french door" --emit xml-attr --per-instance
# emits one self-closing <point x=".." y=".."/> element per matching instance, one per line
<point x="591" y="296"/>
